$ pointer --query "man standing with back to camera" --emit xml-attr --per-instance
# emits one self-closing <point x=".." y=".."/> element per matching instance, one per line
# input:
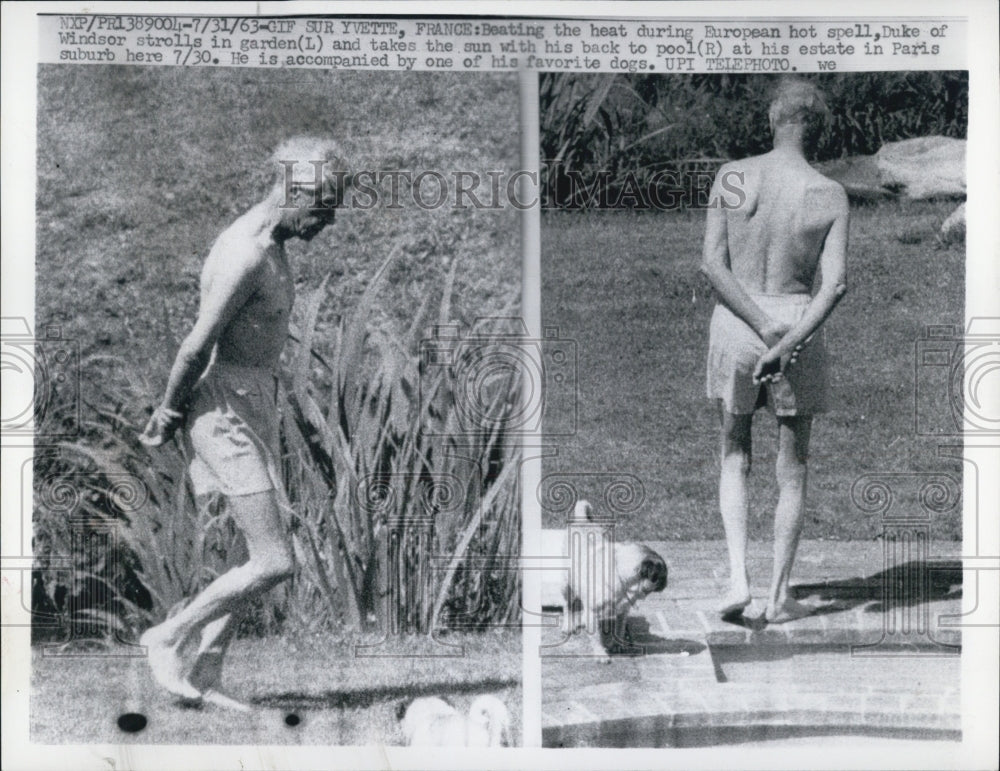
<point x="763" y="248"/>
<point x="222" y="393"/>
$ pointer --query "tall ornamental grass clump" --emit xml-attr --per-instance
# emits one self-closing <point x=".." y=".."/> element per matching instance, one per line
<point x="401" y="474"/>
<point x="403" y="491"/>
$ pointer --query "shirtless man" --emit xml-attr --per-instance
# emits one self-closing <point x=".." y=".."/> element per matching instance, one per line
<point x="762" y="251"/>
<point x="222" y="394"/>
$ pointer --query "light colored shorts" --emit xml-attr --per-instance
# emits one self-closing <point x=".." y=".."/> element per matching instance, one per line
<point x="232" y="431"/>
<point x="734" y="349"/>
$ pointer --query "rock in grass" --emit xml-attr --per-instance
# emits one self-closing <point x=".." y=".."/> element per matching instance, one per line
<point x="923" y="168"/>
<point x="859" y="176"/>
<point x="953" y="228"/>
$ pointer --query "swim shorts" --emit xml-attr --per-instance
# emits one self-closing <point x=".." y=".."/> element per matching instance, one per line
<point x="232" y="431"/>
<point x="734" y="349"/>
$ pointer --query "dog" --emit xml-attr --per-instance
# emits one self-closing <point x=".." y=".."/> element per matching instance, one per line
<point x="433" y="722"/>
<point x="603" y="583"/>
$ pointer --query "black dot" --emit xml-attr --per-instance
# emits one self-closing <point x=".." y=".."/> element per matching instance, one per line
<point x="132" y="722"/>
<point x="291" y="720"/>
<point x="215" y="61"/>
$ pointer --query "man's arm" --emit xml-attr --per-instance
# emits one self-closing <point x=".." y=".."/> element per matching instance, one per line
<point x="833" y="287"/>
<point x="228" y="293"/>
<point x="716" y="267"/>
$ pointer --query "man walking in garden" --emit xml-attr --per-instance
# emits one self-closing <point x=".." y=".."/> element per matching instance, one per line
<point x="776" y="223"/>
<point x="222" y="394"/>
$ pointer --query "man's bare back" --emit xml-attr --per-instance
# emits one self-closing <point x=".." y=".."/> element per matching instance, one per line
<point x="763" y="250"/>
<point x="787" y="223"/>
<point x="776" y="235"/>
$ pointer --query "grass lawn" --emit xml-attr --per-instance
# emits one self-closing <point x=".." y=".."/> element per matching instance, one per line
<point x="338" y="698"/>
<point x="625" y="287"/>
<point x="141" y="168"/>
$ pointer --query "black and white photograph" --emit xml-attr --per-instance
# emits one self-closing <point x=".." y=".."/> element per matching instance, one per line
<point x="545" y="385"/>
<point x="275" y="492"/>
<point x="762" y="533"/>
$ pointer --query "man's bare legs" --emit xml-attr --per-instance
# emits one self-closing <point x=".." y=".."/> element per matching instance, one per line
<point x="270" y="562"/>
<point x="206" y="672"/>
<point x="793" y="453"/>
<point x="736" y="446"/>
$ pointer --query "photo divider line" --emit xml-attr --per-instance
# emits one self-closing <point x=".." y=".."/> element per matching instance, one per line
<point x="531" y="467"/>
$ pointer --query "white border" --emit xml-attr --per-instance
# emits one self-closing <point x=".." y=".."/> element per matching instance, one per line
<point x="980" y="660"/>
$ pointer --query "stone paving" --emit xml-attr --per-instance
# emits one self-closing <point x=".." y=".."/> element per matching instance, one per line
<point x="877" y="659"/>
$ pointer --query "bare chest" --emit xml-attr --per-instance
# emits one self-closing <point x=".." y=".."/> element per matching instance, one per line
<point x="275" y="292"/>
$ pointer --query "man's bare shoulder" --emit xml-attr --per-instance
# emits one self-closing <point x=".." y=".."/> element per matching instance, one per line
<point x="827" y="192"/>
<point x="239" y="248"/>
<point x="742" y="165"/>
<point x="738" y="175"/>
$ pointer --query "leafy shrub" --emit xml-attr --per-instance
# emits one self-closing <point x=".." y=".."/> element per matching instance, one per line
<point x="604" y="136"/>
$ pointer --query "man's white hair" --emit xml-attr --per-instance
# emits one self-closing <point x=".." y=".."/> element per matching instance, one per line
<point x="295" y="162"/>
<point x="797" y="101"/>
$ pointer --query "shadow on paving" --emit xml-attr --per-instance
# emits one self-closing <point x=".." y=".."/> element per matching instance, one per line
<point x="651" y="645"/>
<point x="641" y="642"/>
<point x="645" y="643"/>
<point x="901" y="586"/>
<point x="366" y="697"/>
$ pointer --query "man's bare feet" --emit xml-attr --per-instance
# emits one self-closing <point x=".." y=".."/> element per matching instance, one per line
<point x="789" y="610"/>
<point x="734" y="602"/>
<point x="167" y="666"/>
<point x="205" y="676"/>
<point x="206" y="671"/>
<point x="219" y="699"/>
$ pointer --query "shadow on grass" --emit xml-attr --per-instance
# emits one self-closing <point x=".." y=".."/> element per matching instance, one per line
<point x="362" y="698"/>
